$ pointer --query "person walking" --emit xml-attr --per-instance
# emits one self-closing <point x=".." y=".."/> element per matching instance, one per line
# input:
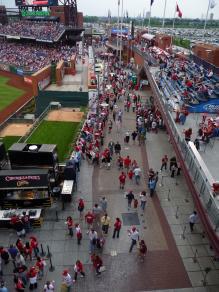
<point x="78" y="233"/>
<point x="97" y="263"/>
<point x="93" y="240"/>
<point x="26" y="222"/>
<point x="152" y="186"/>
<point x="137" y="175"/>
<point x="103" y="204"/>
<point x="142" y="250"/>
<point x="18" y="284"/>
<point x="66" y="281"/>
<point x="130" y="196"/>
<point x="4" y="255"/>
<point x="13" y="251"/>
<point x="164" y="162"/>
<point x="193" y="218"/>
<point x="122" y="179"/>
<point x="134" y="135"/>
<point x="143" y="200"/>
<point x="28" y="251"/>
<point x="97" y="212"/>
<point x="127" y="137"/>
<point x="69" y="223"/>
<point x="78" y="268"/>
<point x="32" y="275"/>
<point x="117" y="148"/>
<point x="49" y="286"/>
<point x="117" y="227"/>
<point x="40" y="264"/>
<point x="81" y="208"/>
<point x="111" y="146"/>
<point x="134" y="235"/>
<point x="34" y="245"/>
<point x="105" y="221"/>
<point x="89" y="218"/>
<point x="173" y="169"/>
<point x="127" y="162"/>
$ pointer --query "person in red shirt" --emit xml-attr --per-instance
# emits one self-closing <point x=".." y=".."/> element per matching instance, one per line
<point x="40" y="266"/>
<point x="130" y="174"/>
<point x="78" y="268"/>
<point x="117" y="227"/>
<point x="97" y="263"/>
<point x="34" y="245"/>
<point x="69" y="222"/>
<point x="164" y="163"/>
<point x="19" y="286"/>
<point x="122" y="179"/>
<point x="127" y="162"/>
<point x="89" y="218"/>
<point x="81" y="207"/>
<point x="32" y="275"/>
<point x="188" y="134"/>
<point x="128" y="105"/>
<point x="28" y="251"/>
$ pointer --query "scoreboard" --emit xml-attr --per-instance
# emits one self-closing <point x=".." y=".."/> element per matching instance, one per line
<point x="36" y="2"/>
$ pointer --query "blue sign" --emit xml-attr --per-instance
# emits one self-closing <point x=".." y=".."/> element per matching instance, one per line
<point x="211" y="106"/>
<point x="118" y="31"/>
<point x="20" y="72"/>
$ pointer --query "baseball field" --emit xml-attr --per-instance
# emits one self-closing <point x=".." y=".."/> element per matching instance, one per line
<point x="8" y="93"/>
<point x="56" y="132"/>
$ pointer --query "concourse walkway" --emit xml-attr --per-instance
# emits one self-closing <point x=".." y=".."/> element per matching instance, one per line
<point x="176" y="259"/>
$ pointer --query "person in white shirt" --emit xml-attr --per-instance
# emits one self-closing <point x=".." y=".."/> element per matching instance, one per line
<point x="137" y="174"/>
<point x="193" y="218"/>
<point x="67" y="280"/>
<point x="134" y="235"/>
<point x="49" y="286"/>
<point x="143" y="200"/>
<point x="93" y="240"/>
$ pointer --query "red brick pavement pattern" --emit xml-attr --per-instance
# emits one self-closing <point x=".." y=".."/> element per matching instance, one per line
<point x="18" y="82"/>
<point x="161" y="270"/>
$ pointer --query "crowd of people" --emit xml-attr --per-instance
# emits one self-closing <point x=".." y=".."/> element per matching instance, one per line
<point x="33" y="57"/>
<point x="47" y="31"/>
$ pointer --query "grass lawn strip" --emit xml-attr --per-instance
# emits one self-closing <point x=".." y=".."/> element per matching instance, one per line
<point x="8" y="93"/>
<point x="59" y="133"/>
<point x="9" y="140"/>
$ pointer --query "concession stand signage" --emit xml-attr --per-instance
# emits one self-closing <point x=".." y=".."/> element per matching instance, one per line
<point x="12" y="179"/>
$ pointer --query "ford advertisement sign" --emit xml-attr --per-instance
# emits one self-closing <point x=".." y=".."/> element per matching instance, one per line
<point x="211" y="106"/>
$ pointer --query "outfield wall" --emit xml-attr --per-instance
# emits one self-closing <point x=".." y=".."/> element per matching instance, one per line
<point x="16" y="81"/>
<point x="65" y="98"/>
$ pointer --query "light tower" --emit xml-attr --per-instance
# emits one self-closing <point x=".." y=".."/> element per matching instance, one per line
<point x="70" y="11"/>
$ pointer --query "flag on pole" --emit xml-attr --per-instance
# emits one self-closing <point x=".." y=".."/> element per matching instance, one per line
<point x="178" y="11"/>
<point x="212" y="4"/>
<point x="152" y="1"/>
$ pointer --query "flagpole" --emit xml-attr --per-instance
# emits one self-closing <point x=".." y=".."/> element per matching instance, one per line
<point x="206" y="18"/>
<point x="117" y="45"/>
<point x="120" y="51"/>
<point x="164" y="13"/>
<point x="149" y="20"/>
<point x="174" y="17"/>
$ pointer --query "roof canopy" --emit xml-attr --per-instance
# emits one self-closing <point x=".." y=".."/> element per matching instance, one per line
<point x="148" y="36"/>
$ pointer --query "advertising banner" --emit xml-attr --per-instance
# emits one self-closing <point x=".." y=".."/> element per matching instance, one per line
<point x="44" y="83"/>
<point x="211" y="106"/>
<point x="4" y="67"/>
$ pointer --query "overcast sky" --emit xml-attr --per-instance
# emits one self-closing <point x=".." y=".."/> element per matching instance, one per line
<point x="189" y="8"/>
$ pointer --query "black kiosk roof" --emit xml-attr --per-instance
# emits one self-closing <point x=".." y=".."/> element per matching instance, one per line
<point x="23" y="179"/>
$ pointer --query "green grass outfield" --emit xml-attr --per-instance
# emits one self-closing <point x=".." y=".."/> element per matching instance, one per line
<point x="8" y="93"/>
<point x="9" y="140"/>
<point x="59" y="133"/>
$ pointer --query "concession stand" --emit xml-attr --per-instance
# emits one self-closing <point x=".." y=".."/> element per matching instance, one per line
<point x="43" y="156"/>
<point x="25" y="188"/>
